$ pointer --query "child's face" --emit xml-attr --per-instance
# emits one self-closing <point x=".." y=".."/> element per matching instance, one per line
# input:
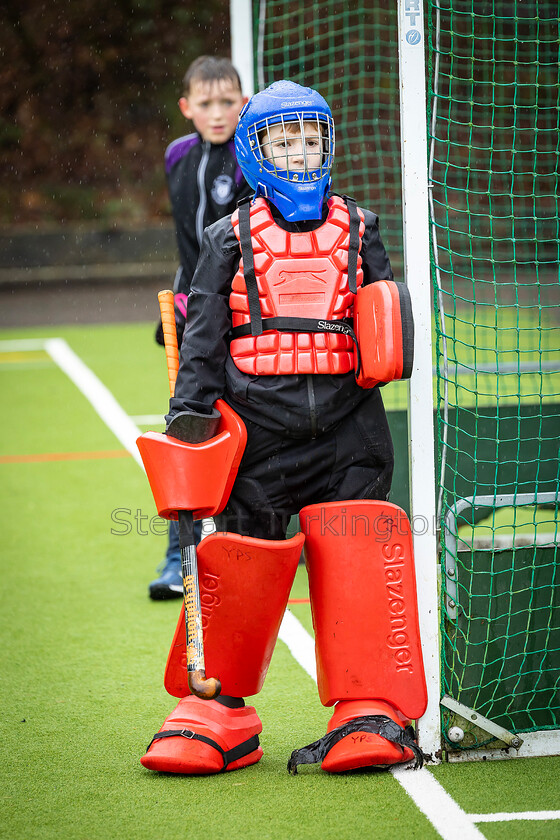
<point x="284" y="146"/>
<point x="214" y="109"/>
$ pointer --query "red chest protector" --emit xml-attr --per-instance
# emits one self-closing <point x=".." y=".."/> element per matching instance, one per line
<point x="293" y="295"/>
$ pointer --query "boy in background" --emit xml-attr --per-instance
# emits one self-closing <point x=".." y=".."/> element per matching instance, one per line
<point x="205" y="183"/>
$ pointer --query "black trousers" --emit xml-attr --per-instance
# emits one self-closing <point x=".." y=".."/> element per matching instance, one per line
<point x="279" y="475"/>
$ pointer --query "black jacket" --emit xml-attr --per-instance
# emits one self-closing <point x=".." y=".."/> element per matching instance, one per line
<point x="300" y="406"/>
<point x="205" y="183"/>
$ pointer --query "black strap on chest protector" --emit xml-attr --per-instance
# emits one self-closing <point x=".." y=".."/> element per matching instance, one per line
<point x="246" y="243"/>
<point x="293" y="324"/>
<point x="353" y="243"/>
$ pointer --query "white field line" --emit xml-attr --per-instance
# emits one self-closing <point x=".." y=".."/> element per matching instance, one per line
<point x="519" y="815"/>
<point x="300" y="644"/>
<point x="102" y="400"/>
<point x="22" y="344"/>
<point x="449" y="820"/>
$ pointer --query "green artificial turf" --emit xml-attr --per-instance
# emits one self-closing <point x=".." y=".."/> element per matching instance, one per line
<point x="83" y="651"/>
<point x="523" y="784"/>
<point x="521" y="830"/>
<point x="84" y="648"/>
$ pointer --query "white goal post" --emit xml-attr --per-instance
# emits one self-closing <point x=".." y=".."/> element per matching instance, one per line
<point x="241" y="39"/>
<point x="414" y="146"/>
<point x="417" y="277"/>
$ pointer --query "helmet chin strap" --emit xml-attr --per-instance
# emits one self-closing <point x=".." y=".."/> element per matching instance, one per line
<point x="262" y="190"/>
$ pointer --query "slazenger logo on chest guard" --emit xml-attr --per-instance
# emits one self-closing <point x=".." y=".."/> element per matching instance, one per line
<point x="304" y="284"/>
<point x="286" y="276"/>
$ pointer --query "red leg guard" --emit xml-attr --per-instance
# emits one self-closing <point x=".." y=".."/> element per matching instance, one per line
<point x="244" y="588"/>
<point x="363" y="598"/>
<point x="365" y="614"/>
<point x="208" y="738"/>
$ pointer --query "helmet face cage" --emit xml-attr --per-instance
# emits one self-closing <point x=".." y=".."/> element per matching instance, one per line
<point x="297" y="146"/>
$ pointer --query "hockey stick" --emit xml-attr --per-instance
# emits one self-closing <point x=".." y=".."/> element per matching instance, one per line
<point x="196" y="673"/>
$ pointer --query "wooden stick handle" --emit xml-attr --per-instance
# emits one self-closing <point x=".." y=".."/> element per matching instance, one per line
<point x="167" y="309"/>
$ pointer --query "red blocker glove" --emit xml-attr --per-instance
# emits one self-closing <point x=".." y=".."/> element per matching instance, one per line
<point x="196" y="476"/>
<point x="384" y="327"/>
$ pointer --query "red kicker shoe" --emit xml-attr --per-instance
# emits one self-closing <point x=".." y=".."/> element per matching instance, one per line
<point x="205" y="736"/>
<point x="361" y="733"/>
<point x="362" y="748"/>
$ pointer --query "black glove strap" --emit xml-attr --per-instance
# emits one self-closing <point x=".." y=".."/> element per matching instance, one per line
<point x="376" y="724"/>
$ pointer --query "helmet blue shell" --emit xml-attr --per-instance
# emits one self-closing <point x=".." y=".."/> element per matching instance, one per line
<point x="298" y="194"/>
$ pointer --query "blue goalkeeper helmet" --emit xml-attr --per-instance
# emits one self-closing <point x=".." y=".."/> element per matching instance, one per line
<point x="285" y="147"/>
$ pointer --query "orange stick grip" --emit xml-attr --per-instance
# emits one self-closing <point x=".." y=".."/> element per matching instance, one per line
<point x="167" y="309"/>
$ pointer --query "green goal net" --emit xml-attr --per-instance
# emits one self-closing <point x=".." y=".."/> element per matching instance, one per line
<point x="493" y="113"/>
<point x="493" y="97"/>
<point x="349" y="53"/>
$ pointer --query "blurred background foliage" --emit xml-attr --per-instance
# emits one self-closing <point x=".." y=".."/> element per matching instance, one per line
<point x="88" y="103"/>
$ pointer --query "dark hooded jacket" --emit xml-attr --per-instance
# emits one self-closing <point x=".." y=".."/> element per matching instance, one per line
<point x="299" y="406"/>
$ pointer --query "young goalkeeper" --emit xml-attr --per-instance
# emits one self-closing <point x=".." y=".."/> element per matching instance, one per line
<point x="268" y="332"/>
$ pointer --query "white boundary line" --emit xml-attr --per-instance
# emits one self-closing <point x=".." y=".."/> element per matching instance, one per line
<point x="519" y="815"/>
<point x="449" y="820"/>
<point x="300" y="644"/>
<point x="102" y="400"/>
<point x="23" y="344"/>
